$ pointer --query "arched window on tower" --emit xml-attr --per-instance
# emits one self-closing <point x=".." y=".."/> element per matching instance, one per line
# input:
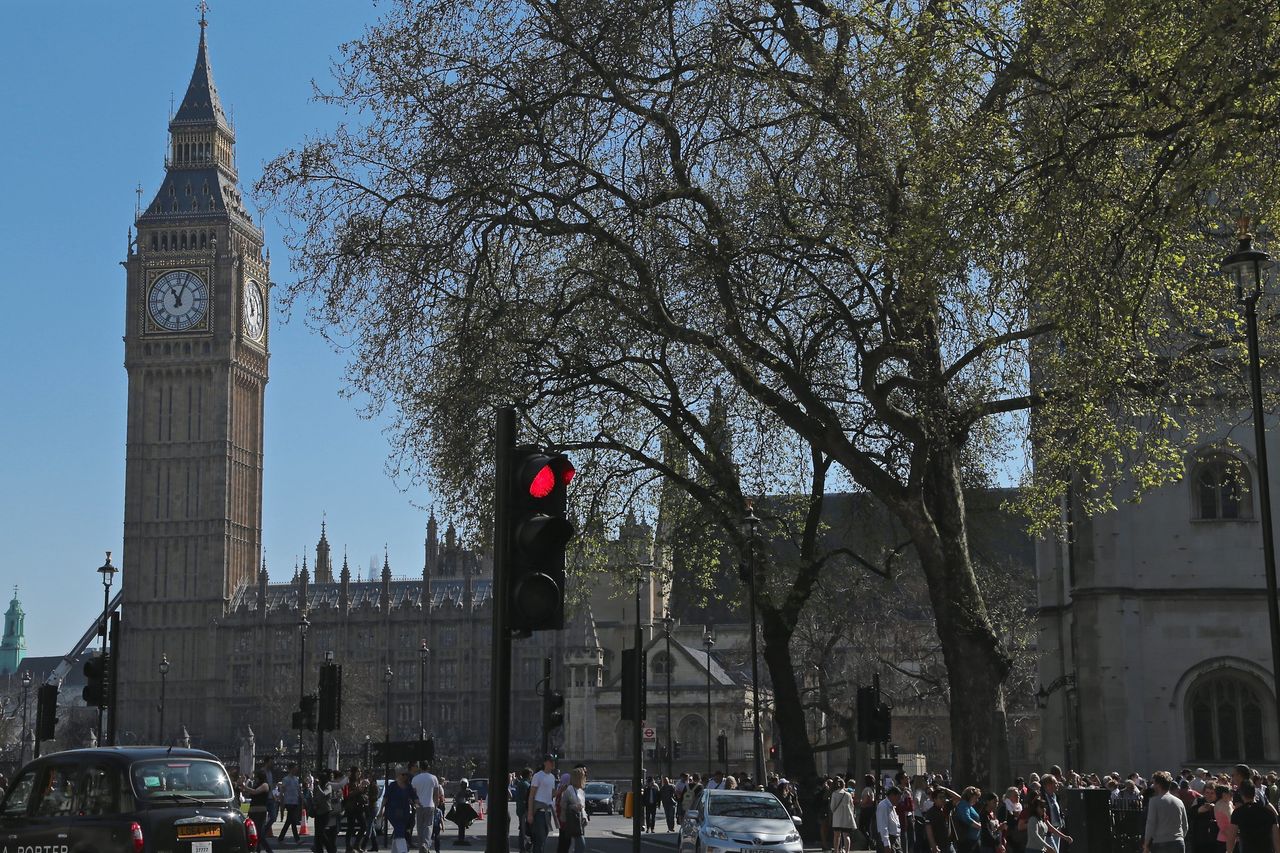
<point x="1222" y="488"/>
<point x="1226" y="718"/>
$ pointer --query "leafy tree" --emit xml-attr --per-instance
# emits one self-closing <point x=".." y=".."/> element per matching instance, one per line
<point x="859" y="219"/>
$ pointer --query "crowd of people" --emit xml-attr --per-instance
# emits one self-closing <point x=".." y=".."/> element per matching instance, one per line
<point x="352" y="803"/>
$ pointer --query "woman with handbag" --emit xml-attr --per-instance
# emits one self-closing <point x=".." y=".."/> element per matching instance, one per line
<point x="573" y="810"/>
<point x="843" y="819"/>
<point x="259" y="796"/>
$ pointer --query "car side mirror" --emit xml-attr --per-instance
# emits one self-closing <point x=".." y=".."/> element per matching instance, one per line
<point x="692" y="814"/>
<point x="796" y="820"/>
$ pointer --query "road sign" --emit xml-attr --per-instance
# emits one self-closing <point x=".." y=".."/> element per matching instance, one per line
<point x="650" y="734"/>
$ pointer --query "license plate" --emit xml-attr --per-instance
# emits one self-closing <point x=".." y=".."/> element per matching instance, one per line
<point x="199" y="830"/>
<point x="201" y="847"/>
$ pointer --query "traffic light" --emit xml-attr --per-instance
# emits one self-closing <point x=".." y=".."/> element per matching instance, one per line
<point x="95" y="676"/>
<point x="866" y="715"/>
<point x="46" y="711"/>
<point x="429" y="750"/>
<point x="537" y="533"/>
<point x="773" y="753"/>
<point x="883" y="723"/>
<point x="634" y="699"/>
<point x="305" y="716"/>
<point x="552" y="710"/>
<point x="675" y="749"/>
<point x="722" y="748"/>
<point x="330" y="697"/>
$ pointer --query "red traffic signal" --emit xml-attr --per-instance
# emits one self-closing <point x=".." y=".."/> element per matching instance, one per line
<point x="537" y="533"/>
<point x="542" y="473"/>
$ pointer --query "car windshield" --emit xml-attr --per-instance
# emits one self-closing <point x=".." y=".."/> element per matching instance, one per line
<point x="763" y="807"/>
<point x="598" y="788"/>
<point x="180" y="779"/>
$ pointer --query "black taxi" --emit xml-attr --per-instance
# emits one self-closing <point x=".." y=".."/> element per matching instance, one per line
<point x="124" y="800"/>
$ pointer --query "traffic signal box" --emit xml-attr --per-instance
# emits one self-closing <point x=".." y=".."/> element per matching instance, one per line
<point x="95" y="676"/>
<point x="330" y="700"/>
<point x="552" y="710"/>
<point x="305" y="716"/>
<point x="538" y="534"/>
<point x="875" y="719"/>
<point x="46" y="712"/>
<point x="634" y="689"/>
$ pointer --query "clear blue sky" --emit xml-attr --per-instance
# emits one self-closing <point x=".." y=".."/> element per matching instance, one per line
<point x="84" y="99"/>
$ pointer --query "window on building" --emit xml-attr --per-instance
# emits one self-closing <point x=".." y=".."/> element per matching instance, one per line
<point x="1226" y="719"/>
<point x="660" y="664"/>
<point x="1222" y="488"/>
<point x="447" y="675"/>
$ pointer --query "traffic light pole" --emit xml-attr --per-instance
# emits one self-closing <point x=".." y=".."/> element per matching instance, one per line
<point x="497" y="834"/>
<point x="546" y="696"/>
<point x="875" y="687"/>
<point x="637" y="743"/>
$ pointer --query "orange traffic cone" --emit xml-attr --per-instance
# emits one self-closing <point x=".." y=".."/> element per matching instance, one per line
<point x="302" y="830"/>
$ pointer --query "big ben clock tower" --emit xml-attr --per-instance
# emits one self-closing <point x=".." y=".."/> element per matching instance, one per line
<point x="196" y="355"/>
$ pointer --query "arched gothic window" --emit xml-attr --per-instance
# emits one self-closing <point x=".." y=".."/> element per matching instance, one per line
<point x="1226" y="719"/>
<point x="692" y="734"/>
<point x="1222" y="488"/>
<point x="660" y="664"/>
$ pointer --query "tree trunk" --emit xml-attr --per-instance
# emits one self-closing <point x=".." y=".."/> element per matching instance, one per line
<point x="977" y="664"/>
<point x="788" y="713"/>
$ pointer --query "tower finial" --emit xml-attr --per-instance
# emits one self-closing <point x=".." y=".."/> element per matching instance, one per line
<point x="203" y="9"/>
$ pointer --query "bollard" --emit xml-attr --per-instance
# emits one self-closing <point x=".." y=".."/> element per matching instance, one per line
<point x="628" y="805"/>
<point x="302" y="824"/>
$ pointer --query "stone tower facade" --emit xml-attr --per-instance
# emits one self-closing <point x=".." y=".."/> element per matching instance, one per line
<point x="13" y="647"/>
<point x="196" y="357"/>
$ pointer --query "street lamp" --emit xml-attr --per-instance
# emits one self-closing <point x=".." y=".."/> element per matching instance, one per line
<point x="108" y="573"/>
<point x="164" y="672"/>
<point x="752" y="530"/>
<point x="26" y="690"/>
<point x="667" y="624"/>
<point x="386" y="756"/>
<point x="708" y="640"/>
<point x="425" y="652"/>
<point x="1246" y="265"/>
<point x="303" y="624"/>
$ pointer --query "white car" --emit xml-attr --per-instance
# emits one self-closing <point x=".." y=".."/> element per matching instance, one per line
<point x="723" y="821"/>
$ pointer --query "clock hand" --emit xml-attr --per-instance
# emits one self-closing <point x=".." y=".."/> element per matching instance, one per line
<point x="177" y="297"/>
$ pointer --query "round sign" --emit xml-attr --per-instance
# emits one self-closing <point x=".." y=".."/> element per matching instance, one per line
<point x="650" y="734"/>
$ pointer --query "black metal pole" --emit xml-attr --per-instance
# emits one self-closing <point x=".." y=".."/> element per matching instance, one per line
<point x="637" y="741"/>
<point x="875" y="686"/>
<point x="757" y="738"/>
<point x="671" y="738"/>
<point x="26" y="691"/>
<point x="386" y="755"/>
<point x="496" y="833"/>
<point x="163" y="679"/>
<point x="422" y="695"/>
<point x="102" y="703"/>
<point x="546" y="691"/>
<point x="707" y="642"/>
<point x="1264" y="480"/>
<point x="302" y="679"/>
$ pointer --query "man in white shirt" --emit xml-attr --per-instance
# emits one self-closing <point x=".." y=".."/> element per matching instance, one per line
<point x="888" y="826"/>
<point x="542" y="792"/>
<point x="716" y="782"/>
<point x="425" y="785"/>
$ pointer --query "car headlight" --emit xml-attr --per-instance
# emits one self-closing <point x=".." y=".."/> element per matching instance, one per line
<point x="717" y="832"/>
<point x="793" y="837"/>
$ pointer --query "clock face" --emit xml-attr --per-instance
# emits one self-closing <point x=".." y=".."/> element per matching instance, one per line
<point x="178" y="300"/>
<point x="255" y="316"/>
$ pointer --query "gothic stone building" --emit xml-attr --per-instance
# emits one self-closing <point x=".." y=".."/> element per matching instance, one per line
<point x="196" y="590"/>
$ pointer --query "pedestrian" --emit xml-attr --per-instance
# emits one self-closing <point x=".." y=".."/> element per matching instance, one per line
<point x="273" y="805"/>
<point x="681" y="786"/>
<point x="667" y="795"/>
<point x="1039" y="828"/>
<point x="650" y="799"/>
<point x="463" y="813"/>
<point x="1049" y="786"/>
<point x="259" y="793"/>
<point x="541" y="802"/>
<point x="906" y="809"/>
<point x="427" y="791"/>
<point x="820" y="807"/>
<point x="843" y="819"/>
<point x="939" y="828"/>
<point x="291" y="799"/>
<point x="786" y="795"/>
<point x="353" y="809"/>
<point x="373" y="794"/>
<point x="1008" y="813"/>
<point x="397" y="810"/>
<point x="1253" y="824"/>
<point x="1202" y="828"/>
<point x="1166" y="829"/>
<point x="888" y="825"/>
<point x="990" y="838"/>
<point x="967" y="822"/>
<point x="521" y="800"/>
<point x="867" y="805"/>
<point x="573" y="809"/>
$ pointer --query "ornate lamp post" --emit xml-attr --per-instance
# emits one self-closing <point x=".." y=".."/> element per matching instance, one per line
<point x="164" y="672"/>
<point x="667" y="624"/>
<point x="108" y="573"/>
<point x="751" y="526"/>
<point x="425" y="653"/>
<point x="386" y="766"/>
<point x="708" y="640"/>
<point x="303" y="624"/>
<point x="1246" y="266"/>
<point x="26" y="690"/>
